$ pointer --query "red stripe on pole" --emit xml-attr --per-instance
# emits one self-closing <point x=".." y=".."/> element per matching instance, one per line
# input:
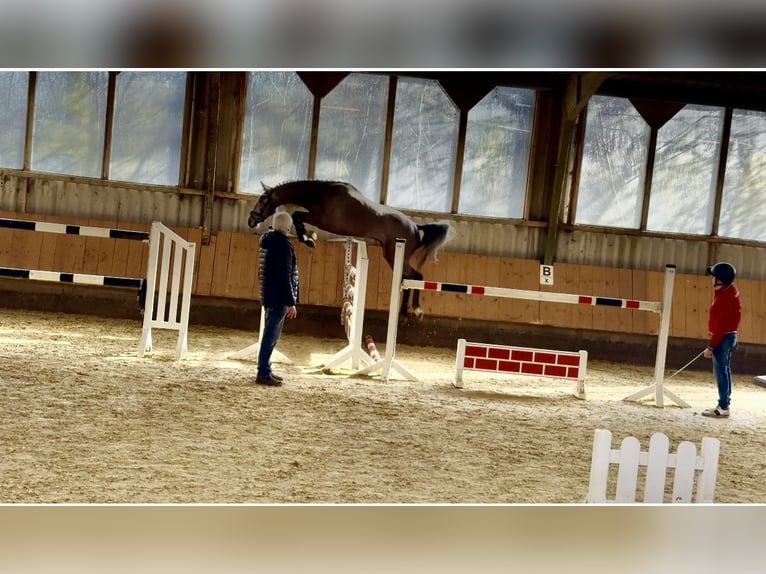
<point x="631" y="304"/>
<point x="585" y="299"/>
<point x="430" y="286"/>
<point x="477" y="290"/>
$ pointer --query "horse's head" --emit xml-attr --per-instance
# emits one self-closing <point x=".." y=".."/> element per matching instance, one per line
<point x="264" y="207"/>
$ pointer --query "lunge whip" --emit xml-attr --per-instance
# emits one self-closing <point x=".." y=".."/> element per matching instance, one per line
<point x="686" y="365"/>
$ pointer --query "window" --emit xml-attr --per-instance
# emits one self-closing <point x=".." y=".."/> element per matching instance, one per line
<point x="352" y="124"/>
<point x="69" y="124"/>
<point x="148" y="124"/>
<point x="496" y="159"/>
<point x="685" y="168"/>
<point x="276" y="132"/>
<point x="423" y="147"/>
<point x="615" y="151"/>
<point x="13" y="117"/>
<point x="743" y="210"/>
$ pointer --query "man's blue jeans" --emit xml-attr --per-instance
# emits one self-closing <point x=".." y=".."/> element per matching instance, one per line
<point x="274" y="319"/>
<point x="722" y="367"/>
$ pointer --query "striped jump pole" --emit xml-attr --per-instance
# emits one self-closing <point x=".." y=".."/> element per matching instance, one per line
<point x="663" y="308"/>
<point x="78" y="278"/>
<point x="167" y="285"/>
<point x="66" y="229"/>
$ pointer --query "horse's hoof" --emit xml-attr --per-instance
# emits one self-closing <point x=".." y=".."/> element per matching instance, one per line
<point x="418" y="313"/>
<point x="309" y="242"/>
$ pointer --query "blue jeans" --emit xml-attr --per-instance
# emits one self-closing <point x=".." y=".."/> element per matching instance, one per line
<point x="274" y="319"/>
<point x="722" y="367"/>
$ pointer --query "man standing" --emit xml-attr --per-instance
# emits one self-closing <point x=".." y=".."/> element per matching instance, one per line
<point x="278" y="277"/>
<point x="723" y="322"/>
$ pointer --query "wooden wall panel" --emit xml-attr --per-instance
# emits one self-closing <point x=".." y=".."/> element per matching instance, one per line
<point x="242" y="268"/>
<point x="305" y="265"/>
<point x="206" y="256"/>
<point x="753" y="297"/>
<point x="331" y="291"/>
<point x="27" y="246"/>
<point x="99" y="251"/>
<point x="6" y="240"/>
<point x="695" y="305"/>
<point x="374" y="259"/>
<point x="194" y="235"/>
<point x="220" y="264"/>
<point x="559" y="314"/>
<point x="228" y="267"/>
<point x="617" y="283"/>
<point x="519" y="274"/>
<point x="317" y="271"/>
<point x="490" y="306"/>
<point x="138" y="252"/>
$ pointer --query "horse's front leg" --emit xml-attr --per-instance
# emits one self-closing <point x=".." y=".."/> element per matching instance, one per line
<point x="300" y="229"/>
<point x="405" y="301"/>
<point x="416" y="310"/>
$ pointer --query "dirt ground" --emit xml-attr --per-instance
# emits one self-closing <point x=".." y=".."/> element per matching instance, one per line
<point x="85" y="420"/>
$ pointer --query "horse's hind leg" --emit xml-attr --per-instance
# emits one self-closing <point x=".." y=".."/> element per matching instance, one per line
<point x="300" y="229"/>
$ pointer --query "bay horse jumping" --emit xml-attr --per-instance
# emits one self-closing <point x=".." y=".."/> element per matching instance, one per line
<point x="339" y="208"/>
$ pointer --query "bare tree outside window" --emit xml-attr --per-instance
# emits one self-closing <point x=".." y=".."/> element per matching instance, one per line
<point x="13" y="116"/>
<point x="276" y="134"/>
<point x="743" y="206"/>
<point x="615" y="151"/>
<point x="496" y="159"/>
<point x="148" y="124"/>
<point x="69" y="124"/>
<point x="352" y="125"/>
<point x="423" y="147"/>
<point x="682" y="196"/>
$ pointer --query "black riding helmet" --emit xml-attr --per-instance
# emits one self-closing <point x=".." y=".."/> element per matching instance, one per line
<point x="724" y="272"/>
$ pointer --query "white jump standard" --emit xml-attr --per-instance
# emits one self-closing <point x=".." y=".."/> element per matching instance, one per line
<point x="355" y="351"/>
<point x="663" y="308"/>
<point x="160" y="311"/>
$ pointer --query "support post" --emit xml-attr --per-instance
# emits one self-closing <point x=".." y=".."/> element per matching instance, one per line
<point x="253" y="349"/>
<point x="662" y="347"/>
<point x="389" y="361"/>
<point x="354" y="349"/>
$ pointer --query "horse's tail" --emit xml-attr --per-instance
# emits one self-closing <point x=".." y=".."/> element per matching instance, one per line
<point x="433" y="236"/>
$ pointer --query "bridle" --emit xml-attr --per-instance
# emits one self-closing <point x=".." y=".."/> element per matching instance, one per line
<point x="265" y="202"/>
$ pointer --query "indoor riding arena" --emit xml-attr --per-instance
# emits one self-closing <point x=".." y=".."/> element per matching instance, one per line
<point x="585" y="208"/>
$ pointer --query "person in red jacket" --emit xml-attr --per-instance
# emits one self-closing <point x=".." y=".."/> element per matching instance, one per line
<point x="723" y="322"/>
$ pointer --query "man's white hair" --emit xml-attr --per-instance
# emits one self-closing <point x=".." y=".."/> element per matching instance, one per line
<point x="282" y="222"/>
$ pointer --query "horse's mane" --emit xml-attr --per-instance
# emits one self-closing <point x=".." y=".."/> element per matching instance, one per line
<point x="323" y="181"/>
